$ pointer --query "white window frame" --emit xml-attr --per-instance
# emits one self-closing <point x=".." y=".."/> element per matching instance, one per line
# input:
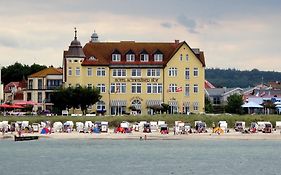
<point x="118" y="88"/>
<point x="158" y="57"/>
<point x="154" y="88"/>
<point x="195" y="88"/>
<point x="173" y="72"/>
<point x="77" y="71"/>
<point x="130" y="57"/>
<point x="180" y="57"/>
<point x="101" y="88"/>
<point x="173" y="87"/>
<point x="69" y="71"/>
<point x="186" y="57"/>
<point x="89" y="71"/>
<point x="136" y="73"/>
<point x="101" y="72"/>
<point x="116" y="57"/>
<point x="153" y="72"/>
<point x="196" y="72"/>
<point x="186" y="90"/>
<point x="119" y="72"/>
<point x="90" y="86"/>
<point x="144" y="57"/>
<point x="187" y="74"/>
<point x="195" y="106"/>
<point x="136" y="88"/>
<point x="100" y="106"/>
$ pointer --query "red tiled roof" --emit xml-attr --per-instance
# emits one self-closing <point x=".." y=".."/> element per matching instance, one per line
<point x="102" y="51"/>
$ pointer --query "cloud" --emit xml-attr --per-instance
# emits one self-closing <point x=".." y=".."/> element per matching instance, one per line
<point x="8" y="42"/>
<point x="189" y="24"/>
<point x="167" y="25"/>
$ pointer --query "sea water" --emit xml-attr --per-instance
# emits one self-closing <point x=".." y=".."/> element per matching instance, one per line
<point x="111" y="157"/>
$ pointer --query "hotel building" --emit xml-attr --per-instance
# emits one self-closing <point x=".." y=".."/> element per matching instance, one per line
<point x="136" y="77"/>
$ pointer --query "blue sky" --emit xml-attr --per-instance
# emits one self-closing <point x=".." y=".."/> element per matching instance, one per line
<point x="241" y="34"/>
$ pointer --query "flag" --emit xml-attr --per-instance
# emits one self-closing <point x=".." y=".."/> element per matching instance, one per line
<point x="179" y="89"/>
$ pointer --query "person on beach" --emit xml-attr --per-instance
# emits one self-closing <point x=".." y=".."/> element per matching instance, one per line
<point x="214" y="126"/>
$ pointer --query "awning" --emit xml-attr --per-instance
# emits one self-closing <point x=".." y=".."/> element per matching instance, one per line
<point x="173" y="103"/>
<point x="150" y="103"/>
<point x="251" y="105"/>
<point x="118" y="103"/>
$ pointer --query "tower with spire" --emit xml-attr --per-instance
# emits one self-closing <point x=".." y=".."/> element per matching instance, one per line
<point x="73" y="58"/>
<point x="94" y="37"/>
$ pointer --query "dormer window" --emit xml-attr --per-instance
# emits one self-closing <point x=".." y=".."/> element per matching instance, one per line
<point x="116" y="56"/>
<point x="158" y="56"/>
<point x="92" y="58"/>
<point x="144" y="57"/>
<point x="130" y="56"/>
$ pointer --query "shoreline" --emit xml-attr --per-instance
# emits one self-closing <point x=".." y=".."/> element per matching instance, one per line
<point x="151" y="136"/>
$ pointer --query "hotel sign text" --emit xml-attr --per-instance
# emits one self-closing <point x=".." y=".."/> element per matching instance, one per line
<point x="153" y="80"/>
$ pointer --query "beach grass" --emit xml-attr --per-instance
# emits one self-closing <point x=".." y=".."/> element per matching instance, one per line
<point x="170" y="119"/>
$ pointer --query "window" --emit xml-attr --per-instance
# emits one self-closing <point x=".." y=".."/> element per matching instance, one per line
<point x="136" y="87"/>
<point x="195" y="72"/>
<point x="180" y="57"/>
<point x="216" y="100"/>
<point x="90" y="86"/>
<point x="173" y="72"/>
<point x="153" y="72"/>
<point x="195" y="106"/>
<point x="101" y="88"/>
<point x="158" y="57"/>
<point x="186" y="57"/>
<point x="130" y="57"/>
<point x="195" y="88"/>
<point x="100" y="106"/>
<point x="118" y="88"/>
<point x="144" y="57"/>
<point x="116" y="57"/>
<point x="90" y="71"/>
<point x="53" y="84"/>
<point x="69" y="71"/>
<point x="154" y="88"/>
<point x="100" y="71"/>
<point x="172" y="87"/>
<point x="119" y="72"/>
<point x="29" y="97"/>
<point x="30" y="84"/>
<point x="186" y="90"/>
<point x="136" y="72"/>
<point x="40" y="84"/>
<point x="186" y="73"/>
<point x="77" y="71"/>
<point x="39" y="97"/>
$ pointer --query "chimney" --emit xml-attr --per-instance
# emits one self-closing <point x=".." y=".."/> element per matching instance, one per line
<point x="177" y="41"/>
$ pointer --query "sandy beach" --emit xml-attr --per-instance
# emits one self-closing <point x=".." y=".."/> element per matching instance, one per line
<point x="276" y="135"/>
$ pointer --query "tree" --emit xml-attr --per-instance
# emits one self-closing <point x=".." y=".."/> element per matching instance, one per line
<point x="18" y="72"/>
<point x="208" y="106"/>
<point x="234" y="104"/>
<point x="78" y="97"/>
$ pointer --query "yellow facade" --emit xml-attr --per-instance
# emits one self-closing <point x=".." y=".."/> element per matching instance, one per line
<point x="173" y="72"/>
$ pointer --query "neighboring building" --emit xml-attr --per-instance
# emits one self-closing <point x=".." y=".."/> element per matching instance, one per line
<point x="1" y="87"/>
<point x="275" y="85"/>
<point x="134" y="77"/>
<point x="13" y="91"/>
<point x="218" y="97"/>
<point x="41" y="85"/>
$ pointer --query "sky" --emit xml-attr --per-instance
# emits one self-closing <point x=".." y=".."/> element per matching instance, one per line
<point x="240" y="34"/>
